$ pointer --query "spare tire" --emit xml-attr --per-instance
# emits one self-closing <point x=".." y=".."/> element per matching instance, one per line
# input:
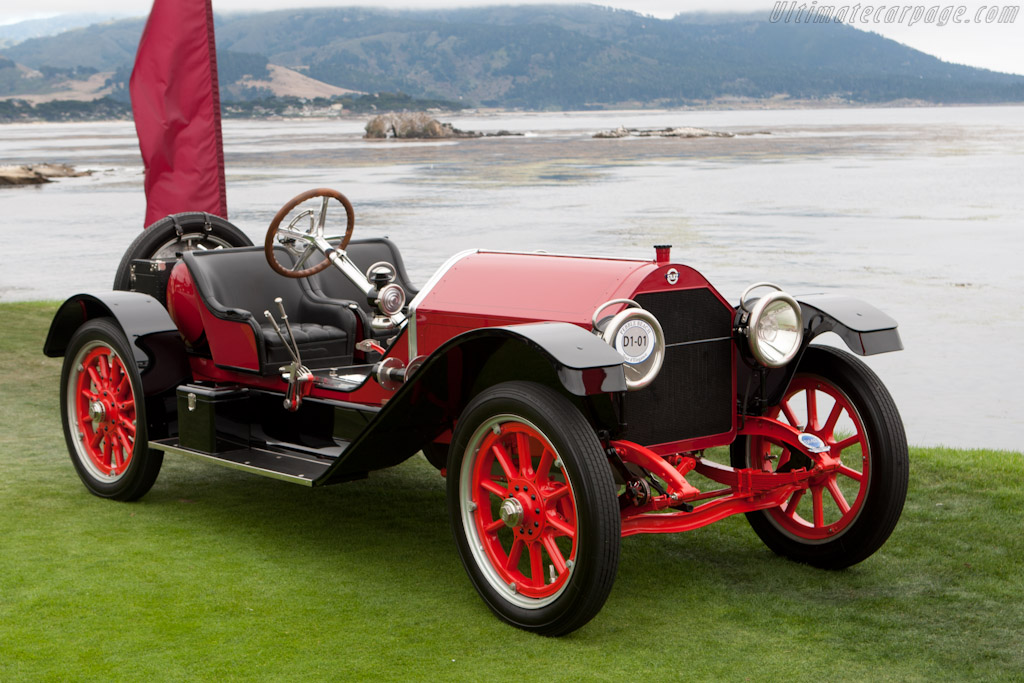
<point x="177" y="233"/>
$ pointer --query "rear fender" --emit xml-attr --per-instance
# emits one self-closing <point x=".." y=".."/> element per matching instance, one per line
<point x="562" y="356"/>
<point x="863" y="328"/>
<point x="154" y="339"/>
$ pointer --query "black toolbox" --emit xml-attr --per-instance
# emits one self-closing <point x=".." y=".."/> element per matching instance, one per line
<point x="213" y="419"/>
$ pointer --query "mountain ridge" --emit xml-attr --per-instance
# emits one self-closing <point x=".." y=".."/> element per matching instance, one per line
<point x="545" y="57"/>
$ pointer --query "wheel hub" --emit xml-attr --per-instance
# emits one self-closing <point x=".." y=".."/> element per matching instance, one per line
<point x="511" y="512"/>
<point x="97" y="412"/>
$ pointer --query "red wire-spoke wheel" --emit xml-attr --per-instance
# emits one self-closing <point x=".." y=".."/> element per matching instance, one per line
<point x="533" y="508"/>
<point x="846" y="514"/>
<point x="103" y="413"/>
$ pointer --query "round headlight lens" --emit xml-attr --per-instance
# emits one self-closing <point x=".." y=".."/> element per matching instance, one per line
<point x="775" y="329"/>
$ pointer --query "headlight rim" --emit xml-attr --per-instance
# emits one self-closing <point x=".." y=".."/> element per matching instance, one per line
<point x="611" y="327"/>
<point x="753" y="318"/>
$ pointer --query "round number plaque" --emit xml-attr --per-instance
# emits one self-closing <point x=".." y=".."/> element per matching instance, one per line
<point x="635" y="341"/>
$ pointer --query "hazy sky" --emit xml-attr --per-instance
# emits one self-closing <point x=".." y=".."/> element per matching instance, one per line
<point x="998" y="46"/>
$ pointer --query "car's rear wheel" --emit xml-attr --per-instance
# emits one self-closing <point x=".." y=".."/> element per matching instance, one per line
<point x="846" y="515"/>
<point x="103" y="411"/>
<point x="192" y="230"/>
<point x="532" y="506"/>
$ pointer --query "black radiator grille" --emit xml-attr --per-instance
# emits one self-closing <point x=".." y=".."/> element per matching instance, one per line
<point x="688" y="315"/>
<point x="693" y="394"/>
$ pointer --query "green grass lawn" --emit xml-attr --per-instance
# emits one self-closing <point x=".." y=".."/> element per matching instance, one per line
<point x="219" y="574"/>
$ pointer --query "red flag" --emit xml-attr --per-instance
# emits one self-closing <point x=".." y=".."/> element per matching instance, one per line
<point x="176" y="105"/>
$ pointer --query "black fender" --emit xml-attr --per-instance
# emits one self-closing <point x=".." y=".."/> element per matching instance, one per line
<point x="863" y="328"/>
<point x="153" y="337"/>
<point x="562" y="356"/>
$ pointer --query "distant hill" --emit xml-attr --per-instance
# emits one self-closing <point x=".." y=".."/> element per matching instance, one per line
<point x="539" y="57"/>
<point x="11" y="34"/>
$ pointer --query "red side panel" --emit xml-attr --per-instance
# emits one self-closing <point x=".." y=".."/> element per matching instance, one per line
<point x="232" y="344"/>
<point x="176" y="105"/>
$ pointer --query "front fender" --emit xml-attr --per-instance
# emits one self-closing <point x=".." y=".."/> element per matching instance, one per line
<point x="154" y="339"/>
<point x="562" y="356"/>
<point x="863" y="328"/>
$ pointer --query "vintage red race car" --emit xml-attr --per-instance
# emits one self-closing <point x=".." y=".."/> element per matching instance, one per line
<point x="569" y="400"/>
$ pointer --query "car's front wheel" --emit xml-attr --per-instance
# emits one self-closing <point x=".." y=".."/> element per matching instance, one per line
<point x="843" y="516"/>
<point x="103" y="411"/>
<point x="533" y="509"/>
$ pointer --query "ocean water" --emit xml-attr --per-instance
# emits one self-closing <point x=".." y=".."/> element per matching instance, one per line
<point x="916" y="210"/>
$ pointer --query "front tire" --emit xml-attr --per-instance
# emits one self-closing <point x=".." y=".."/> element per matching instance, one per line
<point x="103" y="412"/>
<point x="533" y="508"/>
<point x="845" y="516"/>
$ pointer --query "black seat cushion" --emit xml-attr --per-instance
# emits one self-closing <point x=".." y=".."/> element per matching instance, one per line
<point x="239" y="285"/>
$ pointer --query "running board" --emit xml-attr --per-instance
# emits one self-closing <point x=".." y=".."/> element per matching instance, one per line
<point x="296" y="468"/>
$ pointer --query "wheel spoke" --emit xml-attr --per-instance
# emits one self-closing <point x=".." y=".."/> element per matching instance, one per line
<point x="812" y="410"/>
<point x="783" y="458"/>
<point x="544" y="467"/>
<point x="494" y="526"/>
<point x="94" y="440"/>
<point x="788" y="412"/>
<point x="321" y="219"/>
<point x="554" y="552"/>
<point x="561" y="526"/>
<point x="846" y="443"/>
<point x="536" y="565"/>
<point x="116" y="375"/>
<point x="291" y="234"/>
<point x="506" y="463"/>
<point x="523" y="447"/>
<point x="514" y="553"/>
<point x="103" y="368"/>
<point x="125" y="441"/>
<point x="837" y="495"/>
<point x="819" y="505"/>
<point x="301" y="261"/>
<point x="559" y="493"/>
<point x="494" y="487"/>
<point x="851" y="473"/>
<point x="829" y="428"/>
<point x="108" y="451"/>
<point x="793" y="502"/>
<point x="95" y="378"/>
<point x="128" y="427"/>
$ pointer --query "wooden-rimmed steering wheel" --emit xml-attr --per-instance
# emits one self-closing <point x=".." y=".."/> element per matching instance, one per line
<point x="303" y="243"/>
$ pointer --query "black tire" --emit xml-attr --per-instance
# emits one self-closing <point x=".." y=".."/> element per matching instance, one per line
<point x="876" y="442"/>
<point x="162" y="241"/>
<point x="104" y="418"/>
<point x="572" y="490"/>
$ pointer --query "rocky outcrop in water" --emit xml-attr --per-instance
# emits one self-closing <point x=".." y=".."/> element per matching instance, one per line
<point x="413" y="126"/>
<point x="681" y="132"/>
<point x="37" y="174"/>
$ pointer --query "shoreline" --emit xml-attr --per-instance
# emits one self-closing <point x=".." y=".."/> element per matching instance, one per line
<point x="315" y="112"/>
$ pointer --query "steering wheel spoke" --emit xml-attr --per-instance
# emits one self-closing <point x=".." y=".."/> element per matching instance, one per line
<point x="322" y="218"/>
<point x="292" y="237"/>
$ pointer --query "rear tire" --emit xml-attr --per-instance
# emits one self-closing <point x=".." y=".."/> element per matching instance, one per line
<point x="103" y="411"/>
<point x="162" y="241"/>
<point x="533" y="508"/>
<point x="844" y="517"/>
